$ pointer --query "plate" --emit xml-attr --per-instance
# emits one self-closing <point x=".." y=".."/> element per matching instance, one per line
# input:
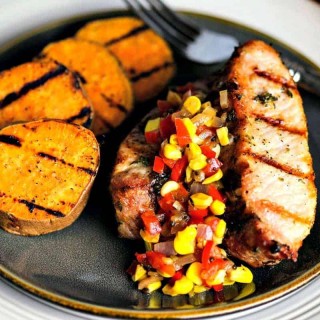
<point x="82" y="267"/>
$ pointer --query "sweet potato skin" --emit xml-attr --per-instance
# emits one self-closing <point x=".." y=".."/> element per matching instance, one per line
<point x="145" y="56"/>
<point x="45" y="177"/>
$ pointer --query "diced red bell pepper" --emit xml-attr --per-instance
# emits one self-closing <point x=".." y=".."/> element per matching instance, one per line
<point x="183" y="135"/>
<point x="151" y="222"/>
<point x="167" y="127"/>
<point x="197" y="213"/>
<point x="141" y="257"/>
<point x="179" y="169"/>
<point x="152" y="136"/>
<point x="208" y="152"/>
<point x="215" y="193"/>
<point x="166" y="202"/>
<point x="206" y="254"/>
<point x="163" y="106"/>
<point x="177" y="276"/>
<point x="158" y="165"/>
<point x="156" y="260"/>
<point x="212" y="167"/>
<point x="213" y="222"/>
<point x="209" y="272"/>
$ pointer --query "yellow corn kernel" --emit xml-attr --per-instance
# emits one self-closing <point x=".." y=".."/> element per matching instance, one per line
<point x="217" y="207"/>
<point x="139" y="274"/>
<point x="153" y="286"/>
<point x="185" y="240"/>
<point x="149" y="237"/>
<point x="193" y="273"/>
<point x="201" y="200"/>
<point x="241" y="274"/>
<point x="169" y="186"/>
<point x="228" y="282"/>
<point x="223" y="136"/>
<point x="188" y="174"/>
<point x="193" y="151"/>
<point x="174" y="98"/>
<point x="215" y="177"/>
<point x="218" y="278"/>
<point x="223" y="94"/>
<point x="173" y="139"/>
<point x="217" y="240"/>
<point x="172" y="151"/>
<point x="152" y="125"/>
<point x="182" y="286"/>
<point x="192" y="104"/>
<point x="221" y="228"/>
<point x="199" y="163"/>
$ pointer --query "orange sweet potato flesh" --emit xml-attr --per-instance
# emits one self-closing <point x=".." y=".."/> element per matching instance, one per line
<point x="145" y="56"/>
<point x="42" y="90"/>
<point x="47" y="169"/>
<point x="103" y="78"/>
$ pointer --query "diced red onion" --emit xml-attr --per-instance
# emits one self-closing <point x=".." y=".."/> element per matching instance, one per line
<point x="204" y="232"/>
<point x="165" y="247"/>
<point x="197" y="187"/>
<point x="183" y="260"/>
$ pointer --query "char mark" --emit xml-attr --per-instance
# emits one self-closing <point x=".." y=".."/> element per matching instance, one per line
<point x="31" y="206"/>
<point x="55" y="159"/>
<point x="275" y="164"/>
<point x="9" y="139"/>
<point x="84" y="112"/>
<point x="279" y="124"/>
<point x="274" y="78"/>
<point x="131" y="33"/>
<point x="148" y="73"/>
<point x="14" y="96"/>
<point x="113" y="104"/>
<point x="80" y="76"/>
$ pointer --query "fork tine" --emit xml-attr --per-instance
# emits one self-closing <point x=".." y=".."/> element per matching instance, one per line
<point x="157" y="23"/>
<point x="187" y="27"/>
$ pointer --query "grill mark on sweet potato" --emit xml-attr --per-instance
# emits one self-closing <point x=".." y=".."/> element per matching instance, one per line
<point x="31" y="206"/>
<point x="131" y="33"/>
<point x="113" y="104"/>
<point x="84" y="112"/>
<point x="10" y="139"/>
<point x="14" y="96"/>
<point x="80" y="76"/>
<point x="276" y="164"/>
<point x="274" y="78"/>
<point x="147" y="73"/>
<point x="279" y="124"/>
<point x="55" y="159"/>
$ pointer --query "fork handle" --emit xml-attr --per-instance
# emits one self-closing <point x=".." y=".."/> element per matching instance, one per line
<point x="306" y="77"/>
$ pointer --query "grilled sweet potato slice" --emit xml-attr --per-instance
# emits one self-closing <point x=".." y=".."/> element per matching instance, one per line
<point x="104" y="80"/>
<point x="42" y="89"/>
<point x="145" y="56"/>
<point x="47" y="168"/>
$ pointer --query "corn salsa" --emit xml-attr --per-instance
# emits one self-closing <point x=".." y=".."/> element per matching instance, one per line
<point x="184" y="237"/>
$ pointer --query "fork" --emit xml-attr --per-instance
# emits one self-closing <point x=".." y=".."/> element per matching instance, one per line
<point x="206" y="46"/>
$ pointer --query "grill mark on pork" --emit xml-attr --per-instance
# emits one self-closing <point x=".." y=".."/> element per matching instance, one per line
<point x="274" y="78"/>
<point x="279" y="124"/>
<point x="10" y="139"/>
<point x="14" y="96"/>
<point x="130" y="34"/>
<point x="55" y="159"/>
<point x="276" y="164"/>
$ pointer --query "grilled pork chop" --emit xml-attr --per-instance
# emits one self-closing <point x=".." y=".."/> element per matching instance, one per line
<point x="272" y="205"/>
